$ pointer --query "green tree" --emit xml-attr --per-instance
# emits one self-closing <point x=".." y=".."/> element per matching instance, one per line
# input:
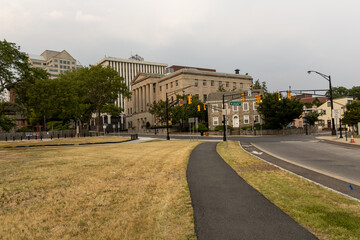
<point x="312" y="117"/>
<point x="13" y="65"/>
<point x="338" y="92"/>
<point x="6" y="109"/>
<point x="355" y="92"/>
<point x="258" y="85"/>
<point x="158" y="109"/>
<point x="103" y="86"/>
<point x="278" y="114"/>
<point x="317" y="102"/>
<point x="181" y="114"/>
<point x="352" y="114"/>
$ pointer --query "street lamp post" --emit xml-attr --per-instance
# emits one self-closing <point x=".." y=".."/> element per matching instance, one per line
<point x="328" y="77"/>
<point x="167" y="118"/>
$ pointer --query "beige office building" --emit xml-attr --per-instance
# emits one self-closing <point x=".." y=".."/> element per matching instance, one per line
<point x="150" y="88"/>
<point x="54" y="62"/>
<point x="129" y="68"/>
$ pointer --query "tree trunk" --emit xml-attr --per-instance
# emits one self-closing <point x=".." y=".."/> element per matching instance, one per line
<point x="45" y="123"/>
<point x="98" y="122"/>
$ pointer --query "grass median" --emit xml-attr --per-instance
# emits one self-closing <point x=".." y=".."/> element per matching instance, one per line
<point x="126" y="191"/>
<point x="326" y="214"/>
<point x="70" y="141"/>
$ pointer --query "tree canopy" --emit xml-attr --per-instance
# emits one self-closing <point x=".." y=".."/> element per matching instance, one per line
<point x="279" y="113"/>
<point x="179" y="114"/>
<point x="352" y="114"/>
<point x="13" y="65"/>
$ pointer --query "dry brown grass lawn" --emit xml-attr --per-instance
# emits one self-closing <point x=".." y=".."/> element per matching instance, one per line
<point x="122" y="191"/>
<point x="326" y="214"/>
<point x="75" y="141"/>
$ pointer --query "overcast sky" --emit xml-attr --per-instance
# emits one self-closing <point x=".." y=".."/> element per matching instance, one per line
<point x="274" y="41"/>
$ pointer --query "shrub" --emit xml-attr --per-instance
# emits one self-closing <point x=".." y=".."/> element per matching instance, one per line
<point x="221" y="128"/>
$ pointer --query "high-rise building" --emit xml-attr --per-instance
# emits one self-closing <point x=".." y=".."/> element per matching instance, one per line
<point x="54" y="62"/>
<point x="128" y="69"/>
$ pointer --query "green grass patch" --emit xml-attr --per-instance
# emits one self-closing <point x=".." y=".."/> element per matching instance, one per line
<point x="326" y="214"/>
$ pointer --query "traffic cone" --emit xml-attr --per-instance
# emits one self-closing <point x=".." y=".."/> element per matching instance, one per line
<point x="352" y="139"/>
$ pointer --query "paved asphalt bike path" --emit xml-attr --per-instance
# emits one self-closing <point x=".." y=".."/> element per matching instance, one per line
<point x="226" y="207"/>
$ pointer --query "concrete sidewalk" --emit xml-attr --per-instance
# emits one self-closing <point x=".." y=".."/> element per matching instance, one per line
<point x="343" y="140"/>
<point x="226" y="207"/>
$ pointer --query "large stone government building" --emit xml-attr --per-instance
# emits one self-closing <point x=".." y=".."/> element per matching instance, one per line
<point x="148" y="88"/>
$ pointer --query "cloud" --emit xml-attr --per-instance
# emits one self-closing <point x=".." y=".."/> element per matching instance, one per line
<point x="55" y="15"/>
<point x="82" y="17"/>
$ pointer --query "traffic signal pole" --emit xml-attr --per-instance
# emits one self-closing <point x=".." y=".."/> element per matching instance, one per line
<point x="224" y="119"/>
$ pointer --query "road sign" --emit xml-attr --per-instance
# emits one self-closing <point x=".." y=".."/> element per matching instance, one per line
<point x="235" y="103"/>
<point x="337" y="113"/>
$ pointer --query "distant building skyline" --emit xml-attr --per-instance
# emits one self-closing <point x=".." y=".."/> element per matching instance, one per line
<point x="54" y="62"/>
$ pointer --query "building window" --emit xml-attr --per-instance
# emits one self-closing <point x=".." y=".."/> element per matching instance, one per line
<point x="53" y="70"/>
<point x="160" y="88"/>
<point x="220" y="83"/>
<point x="245" y="106"/>
<point x="36" y="63"/>
<point x="214" y="108"/>
<point x="176" y="83"/>
<point x="44" y="64"/>
<point x="205" y="97"/>
<point x="171" y="85"/>
<point x="53" y="75"/>
<point x="56" y="65"/>
<point x="246" y="119"/>
<point x="241" y="85"/>
<point x="196" y="82"/>
<point x="167" y="86"/>
<point x="204" y="82"/>
<point x="61" y="61"/>
<point x="349" y="101"/>
<point x="235" y="108"/>
<point x="212" y="83"/>
<point x="234" y="85"/>
<point x="323" y="112"/>
<point x="329" y="104"/>
<point x="215" y="121"/>
<point x="61" y="66"/>
<point x="256" y="119"/>
<point x="55" y="60"/>
<point x="73" y="63"/>
<point x="254" y="105"/>
<point x="227" y="84"/>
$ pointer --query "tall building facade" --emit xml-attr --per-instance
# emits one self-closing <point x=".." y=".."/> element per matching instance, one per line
<point x="54" y="62"/>
<point x="150" y="88"/>
<point x="128" y="69"/>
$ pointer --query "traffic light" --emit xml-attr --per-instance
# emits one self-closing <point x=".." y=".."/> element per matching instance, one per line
<point x="204" y="107"/>
<point x="260" y="97"/>
<point x="199" y="108"/>
<point x="279" y="96"/>
<point x="257" y="97"/>
<point x="169" y="121"/>
<point x="180" y="104"/>
<point x="189" y="99"/>
<point x="243" y="97"/>
<point x="288" y="94"/>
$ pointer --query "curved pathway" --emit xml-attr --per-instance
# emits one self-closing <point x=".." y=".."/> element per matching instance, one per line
<point x="226" y="207"/>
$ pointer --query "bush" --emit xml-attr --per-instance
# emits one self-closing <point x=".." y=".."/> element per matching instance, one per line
<point x="24" y="129"/>
<point x="58" y="125"/>
<point x="221" y="128"/>
<point x="201" y="127"/>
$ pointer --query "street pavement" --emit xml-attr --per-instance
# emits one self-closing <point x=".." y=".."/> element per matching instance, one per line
<point x="226" y="207"/>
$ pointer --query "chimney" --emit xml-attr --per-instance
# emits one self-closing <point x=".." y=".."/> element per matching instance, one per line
<point x="237" y="71"/>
